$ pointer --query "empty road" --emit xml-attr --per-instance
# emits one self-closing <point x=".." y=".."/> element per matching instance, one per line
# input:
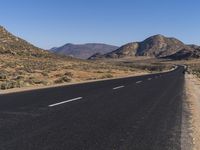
<point x="135" y="113"/>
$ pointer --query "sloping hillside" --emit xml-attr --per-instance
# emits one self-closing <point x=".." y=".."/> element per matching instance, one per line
<point x="12" y="45"/>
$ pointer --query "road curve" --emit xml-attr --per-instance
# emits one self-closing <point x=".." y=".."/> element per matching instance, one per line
<point x="135" y="113"/>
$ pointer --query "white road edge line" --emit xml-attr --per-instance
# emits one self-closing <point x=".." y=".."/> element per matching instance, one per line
<point x="67" y="101"/>
<point x="119" y="87"/>
<point x="138" y="82"/>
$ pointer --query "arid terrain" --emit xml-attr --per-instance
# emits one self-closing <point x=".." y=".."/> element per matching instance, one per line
<point x="24" y="65"/>
<point x="32" y="71"/>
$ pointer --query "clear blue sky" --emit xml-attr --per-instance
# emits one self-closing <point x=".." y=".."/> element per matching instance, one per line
<point x="49" y="23"/>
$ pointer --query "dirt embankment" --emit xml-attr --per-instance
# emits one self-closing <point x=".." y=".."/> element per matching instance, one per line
<point x="193" y="104"/>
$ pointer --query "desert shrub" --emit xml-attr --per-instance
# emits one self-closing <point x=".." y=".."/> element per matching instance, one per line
<point x="196" y="72"/>
<point x="29" y="81"/>
<point x="62" y="80"/>
<point x="10" y="84"/>
<point x="33" y="81"/>
<point x="92" y="78"/>
<point x="99" y="71"/>
<point x="107" y="76"/>
<point x="18" y="77"/>
<point x="3" y="76"/>
<point x="37" y="81"/>
<point x="28" y="69"/>
<point x="45" y="74"/>
<point x="58" y="75"/>
<point x="68" y="67"/>
<point x="69" y="74"/>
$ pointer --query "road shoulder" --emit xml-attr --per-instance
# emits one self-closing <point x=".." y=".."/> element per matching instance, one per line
<point x="192" y="104"/>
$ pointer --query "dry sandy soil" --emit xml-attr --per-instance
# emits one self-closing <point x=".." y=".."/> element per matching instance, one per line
<point x="193" y="103"/>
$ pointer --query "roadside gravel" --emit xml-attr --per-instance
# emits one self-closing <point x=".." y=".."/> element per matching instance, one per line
<point x="192" y="104"/>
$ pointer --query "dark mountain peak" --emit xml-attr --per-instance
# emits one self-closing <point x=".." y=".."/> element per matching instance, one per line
<point x="84" y="51"/>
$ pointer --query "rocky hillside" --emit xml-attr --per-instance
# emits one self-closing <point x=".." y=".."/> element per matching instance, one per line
<point x="83" y="51"/>
<point x="185" y="54"/>
<point x="157" y="46"/>
<point x="12" y="45"/>
<point x="160" y="46"/>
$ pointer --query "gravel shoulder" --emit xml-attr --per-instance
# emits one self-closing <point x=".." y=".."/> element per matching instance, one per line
<point x="192" y="86"/>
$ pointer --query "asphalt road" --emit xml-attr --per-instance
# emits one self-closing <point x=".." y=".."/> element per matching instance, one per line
<point x="135" y="113"/>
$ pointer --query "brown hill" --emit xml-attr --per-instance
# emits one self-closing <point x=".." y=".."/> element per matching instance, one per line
<point x="157" y="46"/>
<point x="160" y="46"/>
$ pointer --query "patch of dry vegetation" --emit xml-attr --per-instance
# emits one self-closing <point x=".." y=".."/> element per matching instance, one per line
<point x="17" y="72"/>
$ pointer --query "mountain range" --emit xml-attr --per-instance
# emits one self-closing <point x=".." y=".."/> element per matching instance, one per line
<point x="83" y="51"/>
<point x="157" y="46"/>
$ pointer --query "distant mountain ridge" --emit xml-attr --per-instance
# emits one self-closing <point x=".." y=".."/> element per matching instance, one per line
<point x="83" y="51"/>
<point x="157" y="46"/>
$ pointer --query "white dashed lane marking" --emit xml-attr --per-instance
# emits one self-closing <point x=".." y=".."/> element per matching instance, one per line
<point x="119" y="87"/>
<point x="67" y="101"/>
<point x="138" y="82"/>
